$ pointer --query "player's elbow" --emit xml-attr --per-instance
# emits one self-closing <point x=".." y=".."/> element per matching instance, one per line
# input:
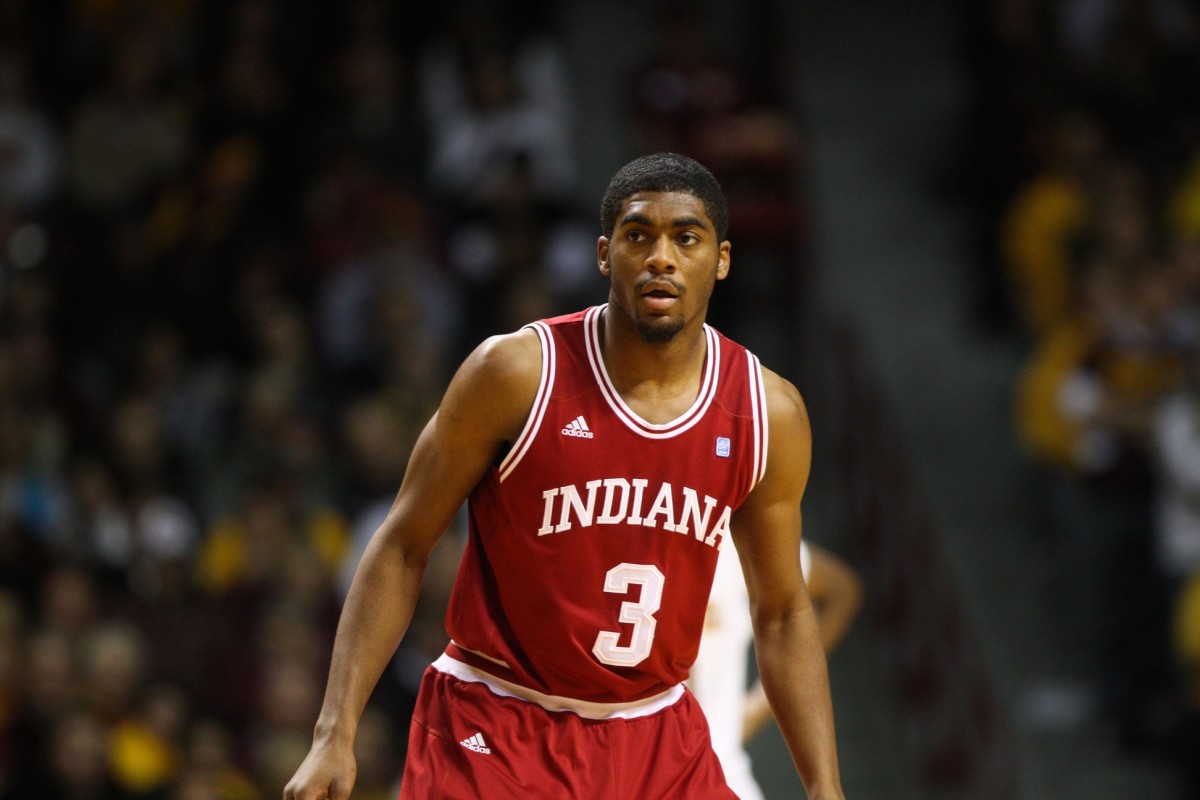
<point x="779" y="618"/>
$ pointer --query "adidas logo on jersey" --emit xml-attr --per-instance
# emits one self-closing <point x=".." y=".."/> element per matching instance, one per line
<point x="577" y="427"/>
<point x="477" y="744"/>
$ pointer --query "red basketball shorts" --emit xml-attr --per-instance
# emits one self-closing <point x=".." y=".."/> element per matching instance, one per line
<point x="467" y="742"/>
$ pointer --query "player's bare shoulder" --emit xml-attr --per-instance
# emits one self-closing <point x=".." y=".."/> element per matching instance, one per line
<point x="496" y="385"/>
<point x="786" y="411"/>
<point x="514" y="360"/>
<point x="789" y="436"/>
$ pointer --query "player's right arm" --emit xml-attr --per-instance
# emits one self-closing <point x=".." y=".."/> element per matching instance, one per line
<point x="483" y="411"/>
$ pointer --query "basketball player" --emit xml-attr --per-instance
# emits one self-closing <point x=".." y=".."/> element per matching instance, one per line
<point x="719" y="676"/>
<point x="606" y="455"/>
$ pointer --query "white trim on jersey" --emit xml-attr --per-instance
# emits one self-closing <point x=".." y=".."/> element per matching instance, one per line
<point x="540" y="401"/>
<point x="758" y="402"/>
<point x="551" y="702"/>
<point x="666" y="430"/>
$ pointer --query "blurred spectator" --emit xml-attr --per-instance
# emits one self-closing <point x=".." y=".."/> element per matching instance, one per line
<point x="30" y="147"/>
<point x="49" y="690"/>
<point x="1177" y="449"/>
<point x="193" y="397"/>
<point x="1046" y="220"/>
<point x="374" y="111"/>
<point x="279" y="433"/>
<point x="75" y="767"/>
<point x="499" y="110"/>
<point x="1177" y="551"/>
<point x="1124" y="57"/>
<point x="128" y="136"/>
<point x="685" y="87"/>
<point x="252" y="96"/>
<point x="375" y="749"/>
<point x="379" y="250"/>
<point x="1019" y="81"/>
<point x="31" y="494"/>
<point x="143" y="463"/>
<point x="520" y="257"/>
<point x="69" y="601"/>
<point x="145" y="747"/>
<point x="1086" y="406"/>
<point x="495" y="98"/>
<point x="183" y="625"/>
<point x="113" y="666"/>
<point x="247" y="550"/>
<point x="210" y="764"/>
<point x="289" y="699"/>
<point x="379" y="432"/>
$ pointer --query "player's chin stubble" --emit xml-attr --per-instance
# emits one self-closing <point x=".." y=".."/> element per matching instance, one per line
<point x="658" y="330"/>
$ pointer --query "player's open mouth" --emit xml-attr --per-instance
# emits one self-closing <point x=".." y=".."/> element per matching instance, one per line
<point x="659" y="295"/>
<point x="659" y="300"/>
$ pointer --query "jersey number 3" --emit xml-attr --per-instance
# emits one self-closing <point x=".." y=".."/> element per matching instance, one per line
<point x="639" y="614"/>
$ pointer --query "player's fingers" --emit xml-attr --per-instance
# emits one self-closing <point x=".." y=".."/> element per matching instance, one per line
<point x="305" y="793"/>
<point x="341" y="789"/>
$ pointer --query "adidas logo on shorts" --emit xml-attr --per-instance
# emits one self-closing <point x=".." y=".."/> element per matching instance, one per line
<point x="577" y="427"/>
<point x="477" y="744"/>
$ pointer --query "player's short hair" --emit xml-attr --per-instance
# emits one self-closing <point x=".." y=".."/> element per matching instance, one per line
<point x="665" y="172"/>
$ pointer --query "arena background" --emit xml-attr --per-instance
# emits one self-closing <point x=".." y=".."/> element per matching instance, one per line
<point x="241" y="243"/>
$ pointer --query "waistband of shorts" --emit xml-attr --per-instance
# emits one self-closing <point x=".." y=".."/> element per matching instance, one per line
<point x="449" y="665"/>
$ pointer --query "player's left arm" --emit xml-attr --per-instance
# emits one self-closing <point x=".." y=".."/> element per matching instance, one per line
<point x="836" y="592"/>
<point x="791" y="659"/>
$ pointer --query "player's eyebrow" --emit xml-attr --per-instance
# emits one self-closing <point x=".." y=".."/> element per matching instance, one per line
<point x="689" y="222"/>
<point x="682" y="222"/>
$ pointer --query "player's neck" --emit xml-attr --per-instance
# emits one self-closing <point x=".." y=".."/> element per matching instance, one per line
<point x="654" y="378"/>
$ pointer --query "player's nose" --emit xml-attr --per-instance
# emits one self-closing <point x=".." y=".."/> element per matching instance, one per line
<point x="663" y="256"/>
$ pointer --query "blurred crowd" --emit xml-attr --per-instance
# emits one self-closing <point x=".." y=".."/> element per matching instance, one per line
<point x="242" y="245"/>
<point x="1085" y="164"/>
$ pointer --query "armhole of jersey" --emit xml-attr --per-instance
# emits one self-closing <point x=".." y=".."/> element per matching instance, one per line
<point x="758" y="404"/>
<point x="540" y="401"/>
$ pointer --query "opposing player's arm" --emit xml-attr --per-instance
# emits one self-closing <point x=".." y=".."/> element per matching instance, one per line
<point x="791" y="660"/>
<point x="836" y="593"/>
<point x="484" y="409"/>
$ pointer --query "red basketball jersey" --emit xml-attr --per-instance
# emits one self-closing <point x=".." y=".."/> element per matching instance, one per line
<point x="593" y="543"/>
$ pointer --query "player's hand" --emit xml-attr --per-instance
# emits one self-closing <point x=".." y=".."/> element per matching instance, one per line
<point x="327" y="773"/>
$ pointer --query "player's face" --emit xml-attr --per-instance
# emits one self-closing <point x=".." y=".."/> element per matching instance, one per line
<point x="664" y="259"/>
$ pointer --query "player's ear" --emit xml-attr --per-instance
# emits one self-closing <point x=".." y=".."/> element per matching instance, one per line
<point x="602" y="255"/>
<point x="723" y="259"/>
